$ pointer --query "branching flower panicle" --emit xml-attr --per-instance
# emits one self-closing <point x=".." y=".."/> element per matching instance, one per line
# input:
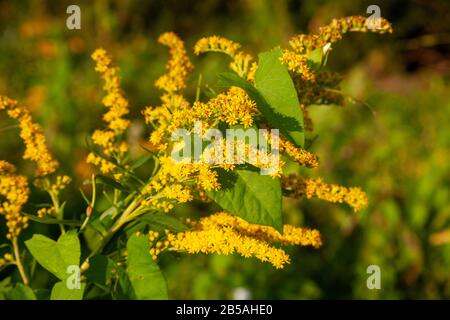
<point x="303" y="44"/>
<point x="225" y="234"/>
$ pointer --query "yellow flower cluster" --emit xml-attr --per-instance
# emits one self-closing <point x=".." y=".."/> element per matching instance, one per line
<point x="242" y="63"/>
<point x="53" y="188"/>
<point x="32" y="135"/>
<point x="299" y="186"/>
<point x="301" y="156"/>
<point x="223" y="233"/>
<point x="46" y="212"/>
<point x="232" y="107"/>
<point x="157" y="246"/>
<point x="291" y="235"/>
<point x="60" y="183"/>
<point x="298" y="64"/>
<point x="171" y="183"/>
<point x="178" y="65"/>
<point x="110" y="139"/>
<point x="305" y="43"/>
<point x="217" y="44"/>
<point x="334" y="32"/>
<point x="171" y="115"/>
<point x="7" y="259"/>
<point x="14" y="189"/>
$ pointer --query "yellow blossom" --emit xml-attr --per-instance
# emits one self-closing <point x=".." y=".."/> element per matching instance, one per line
<point x="297" y="63"/>
<point x="299" y="186"/>
<point x="218" y="44"/>
<point x="14" y="189"/>
<point x="301" y="156"/>
<point x="110" y="139"/>
<point x="242" y="63"/>
<point x="32" y="135"/>
<point x="302" y="44"/>
<point x="223" y="233"/>
<point x="334" y="32"/>
<point x="178" y="65"/>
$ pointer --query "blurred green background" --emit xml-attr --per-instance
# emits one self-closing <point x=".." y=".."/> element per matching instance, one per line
<point x="395" y="145"/>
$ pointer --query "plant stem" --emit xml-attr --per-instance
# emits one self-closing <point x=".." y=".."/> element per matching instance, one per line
<point x="59" y="215"/>
<point x="19" y="265"/>
<point x="135" y="205"/>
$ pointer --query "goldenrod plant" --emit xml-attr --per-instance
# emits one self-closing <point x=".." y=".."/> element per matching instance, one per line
<point x="115" y="251"/>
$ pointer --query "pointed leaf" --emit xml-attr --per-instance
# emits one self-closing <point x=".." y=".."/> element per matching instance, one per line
<point x="251" y="196"/>
<point x="145" y="276"/>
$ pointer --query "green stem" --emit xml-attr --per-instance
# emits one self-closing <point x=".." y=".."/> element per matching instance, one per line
<point x="58" y="211"/>
<point x="18" y="261"/>
<point x="135" y="205"/>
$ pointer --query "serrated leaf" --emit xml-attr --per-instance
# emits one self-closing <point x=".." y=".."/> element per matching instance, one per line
<point x="273" y="81"/>
<point x="164" y="220"/>
<point x="60" y="291"/>
<point x="145" y="276"/>
<point x="56" y="256"/>
<point x="254" y="197"/>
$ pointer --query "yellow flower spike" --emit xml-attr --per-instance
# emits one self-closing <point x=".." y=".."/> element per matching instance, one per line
<point x="33" y="136"/>
<point x="334" y="32"/>
<point x="178" y="66"/>
<point x="110" y="139"/>
<point x="225" y="234"/>
<point x="216" y="44"/>
<point x="302" y="44"/>
<point x="299" y="186"/>
<point x="15" y="190"/>
<point x="242" y="62"/>
<point x="301" y="156"/>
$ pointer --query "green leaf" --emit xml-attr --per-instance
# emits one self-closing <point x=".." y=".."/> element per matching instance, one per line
<point x="273" y="81"/>
<point x="315" y="59"/>
<point x="273" y="116"/>
<point x="50" y="220"/>
<point x="99" y="272"/>
<point x="251" y="196"/>
<point x="56" y="256"/>
<point x="110" y="182"/>
<point x="20" y="292"/>
<point x="141" y="161"/>
<point x="122" y="288"/>
<point x="60" y="291"/>
<point x="145" y="276"/>
<point x="164" y="220"/>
